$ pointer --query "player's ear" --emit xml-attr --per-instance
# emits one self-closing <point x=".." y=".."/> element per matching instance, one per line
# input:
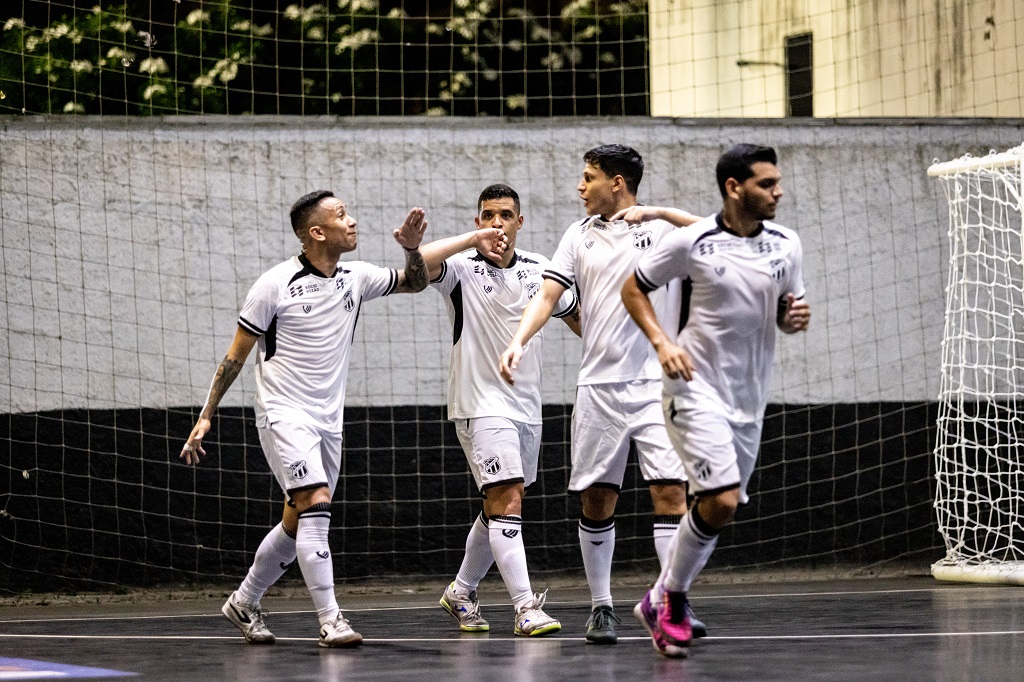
<point x="732" y="188"/>
<point x="316" y="233"/>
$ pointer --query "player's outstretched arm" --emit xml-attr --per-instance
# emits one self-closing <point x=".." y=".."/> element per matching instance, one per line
<point x="490" y="241"/>
<point x="225" y="375"/>
<point x="641" y="214"/>
<point x="675" y="362"/>
<point x="536" y="314"/>
<point x="413" y="277"/>
<point x="795" y="317"/>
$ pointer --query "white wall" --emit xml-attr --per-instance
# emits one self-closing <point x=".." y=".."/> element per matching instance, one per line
<point x="128" y="246"/>
<point x="871" y="57"/>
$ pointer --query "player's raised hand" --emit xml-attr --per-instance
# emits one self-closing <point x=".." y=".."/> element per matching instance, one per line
<point x="797" y="316"/>
<point x="193" y="448"/>
<point x="410" y="234"/>
<point x="675" y="362"/>
<point x="491" y="242"/>
<point x="510" y="361"/>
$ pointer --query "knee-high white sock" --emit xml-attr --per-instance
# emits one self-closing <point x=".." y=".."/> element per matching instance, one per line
<point x="276" y="552"/>
<point x="506" y="534"/>
<point x="665" y="527"/>
<point x="478" y="558"/>
<point x="314" y="554"/>
<point x="695" y="542"/>
<point x="597" y="543"/>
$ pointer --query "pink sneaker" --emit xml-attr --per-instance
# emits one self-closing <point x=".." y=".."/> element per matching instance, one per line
<point x="648" y="617"/>
<point x="674" y="624"/>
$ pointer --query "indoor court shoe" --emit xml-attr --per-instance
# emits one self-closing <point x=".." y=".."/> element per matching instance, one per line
<point x="648" y="617"/>
<point x="697" y="626"/>
<point x="249" y="620"/>
<point x="465" y="610"/>
<point x="674" y="624"/>
<point x="601" y="626"/>
<point x="531" y="621"/>
<point x="338" y="633"/>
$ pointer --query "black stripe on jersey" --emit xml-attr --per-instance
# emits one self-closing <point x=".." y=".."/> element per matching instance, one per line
<point x="684" y="304"/>
<point x="774" y="232"/>
<point x="712" y="231"/>
<point x="394" y="283"/>
<point x="456" y="297"/>
<point x="643" y="283"/>
<point x="249" y="326"/>
<point x="572" y="306"/>
<point x="556" y="277"/>
<point x="270" y="339"/>
<point x="359" y="309"/>
<point x="481" y="258"/>
<point x="444" y="271"/>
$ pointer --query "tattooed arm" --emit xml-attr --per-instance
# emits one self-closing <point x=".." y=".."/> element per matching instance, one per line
<point x="226" y="373"/>
<point x="572" y="320"/>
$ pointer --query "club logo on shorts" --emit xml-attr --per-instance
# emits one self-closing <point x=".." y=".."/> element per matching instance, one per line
<point x="492" y="465"/>
<point x="306" y="308"/>
<point x="703" y="471"/>
<point x="642" y="240"/>
<point x="510" y="533"/>
<point x="349" y="303"/>
<point x="299" y="469"/>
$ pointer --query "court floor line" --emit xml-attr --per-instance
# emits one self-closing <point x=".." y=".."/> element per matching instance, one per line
<point x="487" y="638"/>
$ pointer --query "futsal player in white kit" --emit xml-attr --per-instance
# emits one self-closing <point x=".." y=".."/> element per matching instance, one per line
<point x="743" y="278"/>
<point x="302" y="315"/>
<point x="486" y="288"/>
<point x="618" y="397"/>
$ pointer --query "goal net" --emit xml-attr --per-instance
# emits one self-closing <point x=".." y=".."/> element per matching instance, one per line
<point x="979" y="453"/>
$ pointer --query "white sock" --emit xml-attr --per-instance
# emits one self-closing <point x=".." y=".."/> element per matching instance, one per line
<point x="665" y="527"/>
<point x="478" y="558"/>
<point x="276" y="552"/>
<point x="597" y="543"/>
<point x="691" y="553"/>
<point x="314" y="554"/>
<point x="506" y="534"/>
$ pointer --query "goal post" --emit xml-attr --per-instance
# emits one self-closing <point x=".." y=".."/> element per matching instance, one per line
<point x="979" y="450"/>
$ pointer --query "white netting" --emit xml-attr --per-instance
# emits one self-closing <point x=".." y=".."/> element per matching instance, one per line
<point x="980" y="446"/>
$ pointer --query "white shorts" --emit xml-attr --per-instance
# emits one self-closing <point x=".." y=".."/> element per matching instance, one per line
<point x="499" y="450"/>
<point x="301" y="456"/>
<point x="605" y="419"/>
<point x="718" y="454"/>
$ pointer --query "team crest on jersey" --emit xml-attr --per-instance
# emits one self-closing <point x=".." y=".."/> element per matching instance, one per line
<point x="492" y="465"/>
<point x="532" y="288"/>
<point x="306" y="308"/>
<point x="778" y="269"/>
<point x="299" y="469"/>
<point x="642" y="240"/>
<point x="589" y="243"/>
<point x="349" y="301"/>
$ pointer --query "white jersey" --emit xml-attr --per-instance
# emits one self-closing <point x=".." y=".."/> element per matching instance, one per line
<point x="735" y="286"/>
<point x="485" y="304"/>
<point x="305" y="321"/>
<point x="598" y="256"/>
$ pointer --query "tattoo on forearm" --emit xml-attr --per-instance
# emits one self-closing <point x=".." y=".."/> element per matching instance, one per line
<point x="226" y="374"/>
<point x="575" y="315"/>
<point x="415" y="271"/>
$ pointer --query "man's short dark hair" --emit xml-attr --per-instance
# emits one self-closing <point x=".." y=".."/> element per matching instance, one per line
<point x="305" y="208"/>
<point x="497" y="191"/>
<point x="618" y="159"/>
<point x="736" y="161"/>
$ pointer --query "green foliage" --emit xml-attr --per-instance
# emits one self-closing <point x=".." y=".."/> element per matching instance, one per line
<point x="342" y="57"/>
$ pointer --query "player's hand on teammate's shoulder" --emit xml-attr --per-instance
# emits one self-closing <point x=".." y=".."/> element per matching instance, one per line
<point x="410" y="233"/>
<point x="636" y="214"/>
<point x="797" y="316"/>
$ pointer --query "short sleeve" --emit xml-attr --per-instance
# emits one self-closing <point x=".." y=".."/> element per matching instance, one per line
<point x="448" y="277"/>
<point x="669" y="259"/>
<point x="562" y="268"/>
<point x="260" y="306"/>
<point x="566" y="303"/>
<point x="375" y="280"/>
<point x="796" y="271"/>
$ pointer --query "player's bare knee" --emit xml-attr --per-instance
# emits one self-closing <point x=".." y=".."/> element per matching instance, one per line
<point x="669" y="498"/>
<point x="599" y="502"/>
<point x="504" y="500"/>
<point x="719" y="509"/>
<point x="304" y="499"/>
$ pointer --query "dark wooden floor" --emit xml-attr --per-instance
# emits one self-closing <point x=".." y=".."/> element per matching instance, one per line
<point x="864" y="630"/>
